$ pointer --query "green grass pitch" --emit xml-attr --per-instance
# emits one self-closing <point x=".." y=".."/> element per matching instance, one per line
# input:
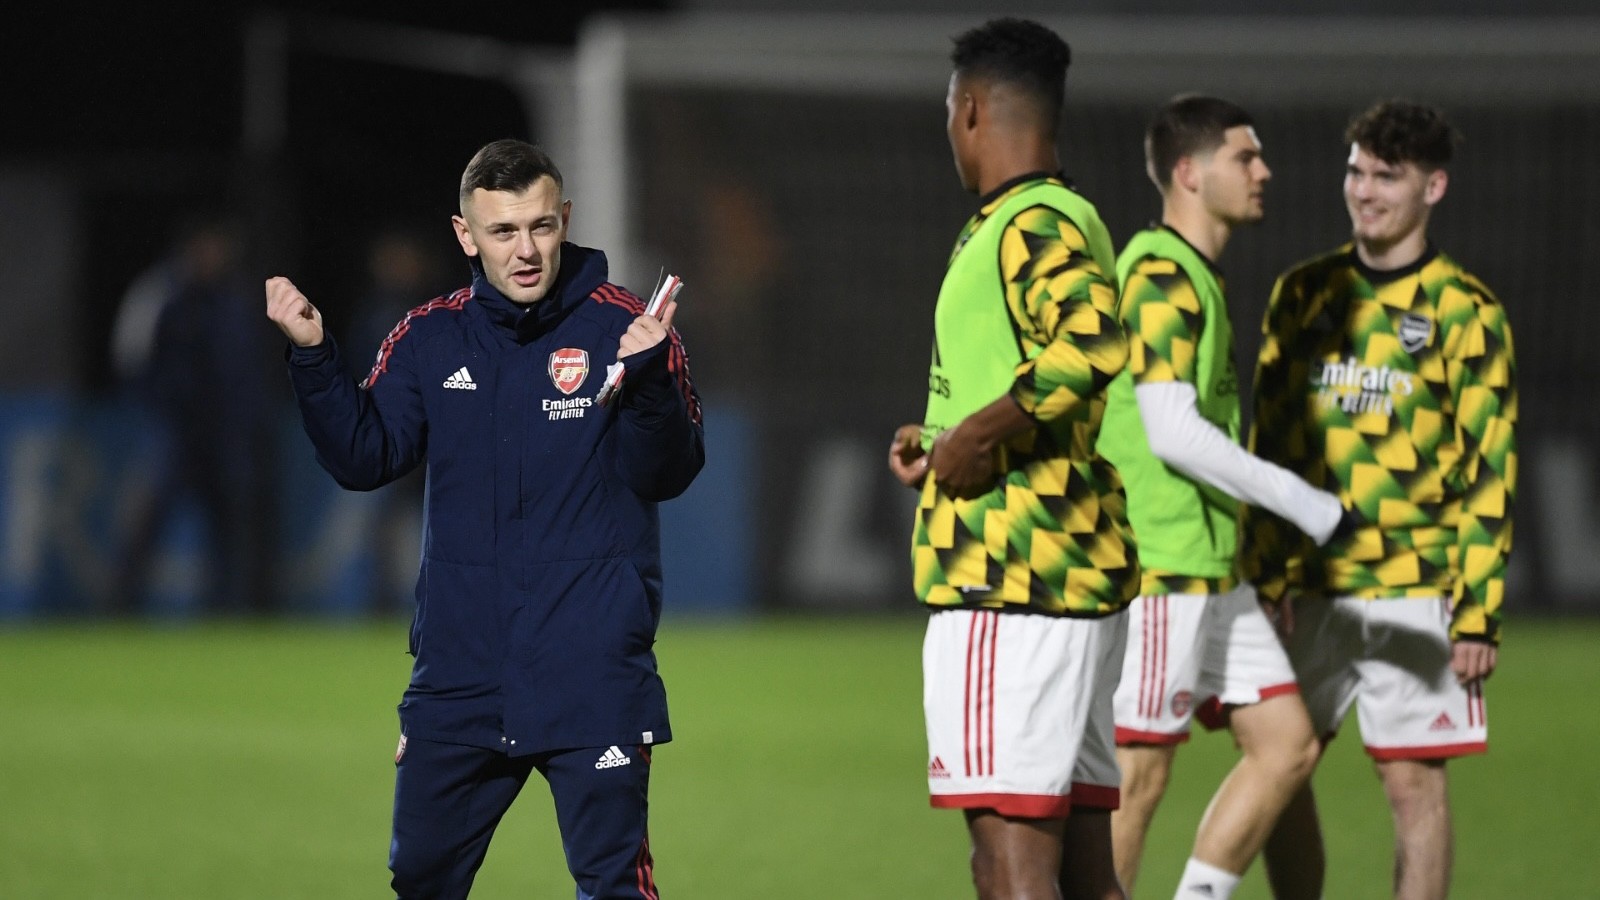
<point x="250" y="761"/>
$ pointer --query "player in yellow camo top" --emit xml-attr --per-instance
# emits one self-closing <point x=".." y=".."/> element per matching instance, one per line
<point x="1199" y="644"/>
<point x="1021" y="548"/>
<point x="1386" y="375"/>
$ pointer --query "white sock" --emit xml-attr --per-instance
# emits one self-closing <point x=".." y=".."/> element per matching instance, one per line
<point x="1205" y="880"/>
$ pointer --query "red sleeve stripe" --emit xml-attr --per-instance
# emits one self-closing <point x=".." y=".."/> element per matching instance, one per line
<point x="610" y="293"/>
<point x="381" y="365"/>
<point x="678" y="365"/>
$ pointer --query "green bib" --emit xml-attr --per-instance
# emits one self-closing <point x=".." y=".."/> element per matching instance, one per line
<point x="976" y="344"/>
<point x="1183" y="527"/>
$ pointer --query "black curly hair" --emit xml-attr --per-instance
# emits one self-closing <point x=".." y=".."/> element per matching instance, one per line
<point x="1021" y="53"/>
<point x="1399" y="131"/>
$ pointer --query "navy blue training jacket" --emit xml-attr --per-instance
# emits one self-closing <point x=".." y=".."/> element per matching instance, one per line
<point x="540" y="585"/>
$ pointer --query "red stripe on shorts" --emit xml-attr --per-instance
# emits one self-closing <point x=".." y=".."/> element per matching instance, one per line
<point x="994" y="638"/>
<point x="980" y="694"/>
<point x="1437" y="751"/>
<point x="966" y="696"/>
<point x="1095" y="796"/>
<point x="1023" y="806"/>
<point x="1147" y="656"/>
<point x="1166" y="641"/>
<point x="1155" y="680"/>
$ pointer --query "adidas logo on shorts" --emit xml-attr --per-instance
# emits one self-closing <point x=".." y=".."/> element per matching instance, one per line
<point x="936" y="769"/>
<point x="1443" y="723"/>
<point x="612" y="758"/>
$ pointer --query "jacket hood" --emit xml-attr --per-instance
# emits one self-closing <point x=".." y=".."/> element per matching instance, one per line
<point x="582" y="270"/>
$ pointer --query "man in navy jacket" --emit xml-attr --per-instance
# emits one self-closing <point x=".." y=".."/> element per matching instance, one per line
<point x="540" y="585"/>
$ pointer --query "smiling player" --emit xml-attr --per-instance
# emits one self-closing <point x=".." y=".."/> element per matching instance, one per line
<point x="1386" y="374"/>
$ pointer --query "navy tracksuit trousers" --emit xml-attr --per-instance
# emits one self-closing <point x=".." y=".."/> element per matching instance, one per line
<point x="448" y="799"/>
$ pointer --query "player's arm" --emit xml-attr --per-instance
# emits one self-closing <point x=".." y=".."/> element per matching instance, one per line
<point x="1061" y="301"/>
<point x="1271" y="551"/>
<point x="1165" y="321"/>
<point x="962" y="458"/>
<point x="1185" y="440"/>
<point x="365" y="436"/>
<point x="659" y="433"/>
<point x="1481" y="373"/>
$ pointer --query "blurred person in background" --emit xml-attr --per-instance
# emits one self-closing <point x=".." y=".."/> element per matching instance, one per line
<point x="186" y="348"/>
<point x="1386" y="375"/>
<point x="540" y="586"/>
<point x="1021" y="551"/>
<point x="401" y="265"/>
<point x="1198" y="640"/>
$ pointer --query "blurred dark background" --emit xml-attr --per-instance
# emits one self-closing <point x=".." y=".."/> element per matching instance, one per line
<point x="789" y="163"/>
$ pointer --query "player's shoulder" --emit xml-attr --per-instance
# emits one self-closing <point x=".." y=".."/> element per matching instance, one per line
<point x="1044" y="221"/>
<point x="1150" y="276"/>
<point x="1320" y="267"/>
<point x="1149" y="254"/>
<point x="614" y="303"/>
<point x="1313" y="277"/>
<point x="1452" y="276"/>
<point x="1043" y="207"/>
<point x="432" y="317"/>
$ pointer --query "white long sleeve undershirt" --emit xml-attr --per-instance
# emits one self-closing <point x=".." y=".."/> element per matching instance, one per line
<point x="1183" y="439"/>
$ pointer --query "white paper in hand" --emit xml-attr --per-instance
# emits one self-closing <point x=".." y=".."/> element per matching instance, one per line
<point x="665" y="293"/>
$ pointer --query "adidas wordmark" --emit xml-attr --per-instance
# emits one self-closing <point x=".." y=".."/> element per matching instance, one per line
<point x="612" y="758"/>
<point x="460" y="380"/>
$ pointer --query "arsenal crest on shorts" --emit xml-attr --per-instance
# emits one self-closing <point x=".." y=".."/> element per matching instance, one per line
<point x="569" y="367"/>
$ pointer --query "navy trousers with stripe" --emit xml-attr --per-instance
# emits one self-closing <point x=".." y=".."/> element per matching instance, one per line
<point x="449" y="798"/>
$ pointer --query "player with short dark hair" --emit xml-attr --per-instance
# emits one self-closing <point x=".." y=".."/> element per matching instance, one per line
<point x="1386" y="375"/>
<point x="507" y="165"/>
<point x="540" y="585"/>
<point x="1021" y="550"/>
<point x="1198" y="640"/>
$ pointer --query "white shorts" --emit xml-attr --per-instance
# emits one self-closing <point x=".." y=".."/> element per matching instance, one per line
<point x="1018" y="710"/>
<point x="1392" y="659"/>
<point x="1196" y="654"/>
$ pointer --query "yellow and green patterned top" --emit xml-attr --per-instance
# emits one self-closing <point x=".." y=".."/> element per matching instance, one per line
<point x="1176" y="316"/>
<point x="1397" y="390"/>
<point x="1027" y="310"/>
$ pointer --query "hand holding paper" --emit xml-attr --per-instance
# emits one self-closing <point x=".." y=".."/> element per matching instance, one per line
<point x="643" y="334"/>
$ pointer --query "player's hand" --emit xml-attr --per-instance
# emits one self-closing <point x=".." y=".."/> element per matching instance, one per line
<point x="293" y="313"/>
<point x="1472" y="660"/>
<point x="646" y="331"/>
<point x="962" y="466"/>
<point x="907" y="460"/>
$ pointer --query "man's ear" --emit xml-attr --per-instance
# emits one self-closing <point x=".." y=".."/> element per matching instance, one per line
<point x="464" y="236"/>
<point x="1433" y="190"/>
<point x="1186" y="174"/>
<point x="967" y="110"/>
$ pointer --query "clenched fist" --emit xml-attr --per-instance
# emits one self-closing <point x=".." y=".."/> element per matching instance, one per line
<point x="293" y="313"/>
